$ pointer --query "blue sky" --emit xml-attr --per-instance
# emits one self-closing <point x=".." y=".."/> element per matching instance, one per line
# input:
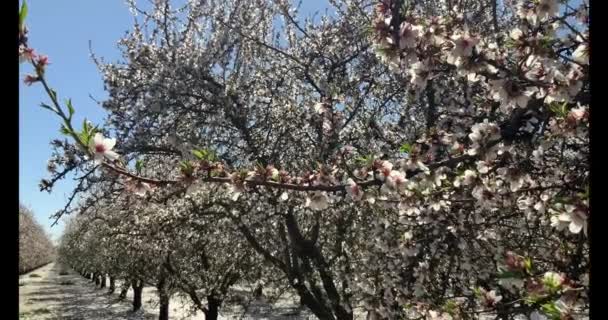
<point x="62" y="29"/>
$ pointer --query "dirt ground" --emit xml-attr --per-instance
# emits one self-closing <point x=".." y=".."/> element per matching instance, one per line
<point x="46" y="294"/>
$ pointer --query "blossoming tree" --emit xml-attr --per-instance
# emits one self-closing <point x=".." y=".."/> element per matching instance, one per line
<point x="35" y="246"/>
<point x="420" y="159"/>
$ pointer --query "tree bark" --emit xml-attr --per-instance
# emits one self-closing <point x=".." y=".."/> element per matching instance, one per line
<point x="103" y="280"/>
<point x="328" y="305"/>
<point x="164" y="307"/>
<point x="138" y="287"/>
<point x="258" y="293"/>
<point x="112" y="285"/>
<point x="124" y="289"/>
<point x="163" y="296"/>
<point x="213" y="308"/>
<point x="97" y="280"/>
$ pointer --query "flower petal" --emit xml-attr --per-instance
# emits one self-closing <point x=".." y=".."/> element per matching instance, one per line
<point x="92" y="145"/>
<point x="575" y="227"/>
<point x="111" y="155"/>
<point x="284" y="196"/>
<point x="108" y="144"/>
<point x="98" y="138"/>
<point x="564" y="217"/>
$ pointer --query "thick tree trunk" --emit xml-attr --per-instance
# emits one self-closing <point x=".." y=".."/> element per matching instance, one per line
<point x="103" y="280"/>
<point x="112" y="285"/>
<point x="163" y="297"/>
<point x="213" y="308"/>
<point x="97" y="279"/>
<point x="258" y="293"/>
<point x="330" y="305"/>
<point x="164" y="307"/>
<point x="124" y="289"/>
<point x="138" y="287"/>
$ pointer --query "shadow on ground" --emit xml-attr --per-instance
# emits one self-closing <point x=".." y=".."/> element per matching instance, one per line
<point x="70" y="297"/>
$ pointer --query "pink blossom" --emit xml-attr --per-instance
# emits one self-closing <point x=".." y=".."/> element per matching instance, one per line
<point x="354" y="190"/>
<point x="43" y="60"/>
<point x="102" y="148"/>
<point x="29" y="79"/>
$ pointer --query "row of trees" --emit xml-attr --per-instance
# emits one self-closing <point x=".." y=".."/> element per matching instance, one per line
<point x="35" y="246"/>
<point x="409" y="159"/>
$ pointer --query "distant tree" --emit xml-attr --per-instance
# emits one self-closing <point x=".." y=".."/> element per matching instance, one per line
<point x="35" y="246"/>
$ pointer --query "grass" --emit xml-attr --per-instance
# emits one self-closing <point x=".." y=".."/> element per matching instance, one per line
<point x="66" y="282"/>
<point x="63" y="273"/>
<point x="34" y="275"/>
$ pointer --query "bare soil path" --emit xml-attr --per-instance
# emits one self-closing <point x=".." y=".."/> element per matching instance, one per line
<point x="46" y="294"/>
<point x="54" y="292"/>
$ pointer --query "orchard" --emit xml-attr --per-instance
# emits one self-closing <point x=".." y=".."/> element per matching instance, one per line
<point x="35" y="246"/>
<point x="388" y="159"/>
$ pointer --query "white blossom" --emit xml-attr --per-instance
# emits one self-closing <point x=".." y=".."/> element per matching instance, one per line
<point x="102" y="148"/>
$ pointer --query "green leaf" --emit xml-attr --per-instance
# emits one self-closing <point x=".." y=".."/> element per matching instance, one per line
<point x="200" y="154"/>
<point x="546" y="42"/>
<point x="477" y="291"/>
<point x="551" y="284"/>
<point x="139" y="165"/>
<point x="528" y="265"/>
<point x="84" y="138"/>
<point x="509" y="274"/>
<point x="450" y="307"/>
<point x="361" y="159"/>
<point x="53" y="94"/>
<point x="260" y="166"/>
<point x="87" y="132"/>
<point x="365" y="160"/>
<point x="186" y="167"/>
<point x="22" y="14"/>
<point x="94" y="130"/>
<point x="64" y="130"/>
<point x="406" y="148"/>
<point x="204" y="154"/>
<point x="509" y="43"/>
<point x="558" y="109"/>
<point x="211" y="156"/>
<point x="70" y="108"/>
<point x="551" y="310"/>
<point x="86" y="127"/>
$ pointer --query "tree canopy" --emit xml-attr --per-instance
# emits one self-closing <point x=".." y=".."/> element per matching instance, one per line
<point x="401" y="159"/>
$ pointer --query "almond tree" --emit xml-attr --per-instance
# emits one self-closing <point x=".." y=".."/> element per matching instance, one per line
<point x="410" y="158"/>
<point x="35" y="246"/>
